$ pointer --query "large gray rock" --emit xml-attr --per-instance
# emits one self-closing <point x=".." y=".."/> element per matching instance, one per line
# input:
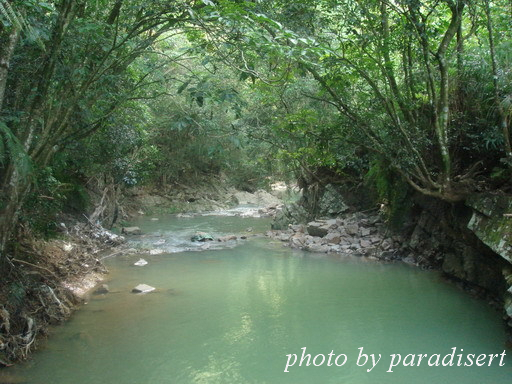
<point x="318" y="248"/>
<point x="102" y="290"/>
<point x="491" y="222"/>
<point x="299" y="228"/>
<point x="467" y="264"/>
<point x="297" y="241"/>
<point x="289" y="214"/>
<point x="332" y="202"/>
<point x="131" y="231"/>
<point x="352" y="229"/>
<point x="202" y="237"/>
<point x="365" y="232"/>
<point x="316" y="228"/>
<point x="333" y="238"/>
<point x="332" y="223"/>
<point x="365" y="243"/>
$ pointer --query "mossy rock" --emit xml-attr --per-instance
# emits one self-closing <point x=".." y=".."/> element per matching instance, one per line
<point x="491" y="222"/>
<point x="202" y="237"/>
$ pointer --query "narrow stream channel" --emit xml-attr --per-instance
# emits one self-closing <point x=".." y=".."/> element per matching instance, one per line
<point x="230" y="316"/>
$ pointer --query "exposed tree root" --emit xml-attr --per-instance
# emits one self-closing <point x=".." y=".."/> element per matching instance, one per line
<point x="32" y="291"/>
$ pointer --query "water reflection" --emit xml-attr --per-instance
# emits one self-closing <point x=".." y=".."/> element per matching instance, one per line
<point x="236" y="313"/>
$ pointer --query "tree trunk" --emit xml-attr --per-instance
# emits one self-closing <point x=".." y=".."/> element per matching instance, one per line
<point x="5" y="59"/>
<point x="15" y="183"/>
<point x="443" y="107"/>
<point x="16" y="188"/>
<point x="504" y="123"/>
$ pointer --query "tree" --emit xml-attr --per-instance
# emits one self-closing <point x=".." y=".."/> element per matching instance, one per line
<point x="67" y="85"/>
<point x="392" y="70"/>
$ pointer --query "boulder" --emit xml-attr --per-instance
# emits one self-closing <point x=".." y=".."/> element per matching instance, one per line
<point x="332" y="202"/>
<point x="143" y="288"/>
<point x="365" y="243"/>
<point x="131" y="231"/>
<point x="318" y="248"/>
<point x="202" y="237"/>
<point x="102" y="290"/>
<point x="332" y="223"/>
<point x="352" y="229"/>
<point x="491" y="222"/>
<point x="285" y="236"/>
<point x="297" y="241"/>
<point x="289" y="214"/>
<point x="318" y="229"/>
<point x="298" y="228"/>
<point x="387" y="244"/>
<point x="333" y="238"/>
<point x="508" y="305"/>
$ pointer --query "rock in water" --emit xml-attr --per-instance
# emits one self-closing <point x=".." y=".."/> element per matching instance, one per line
<point x="143" y="288"/>
<point x="223" y="239"/>
<point x="102" y="290"/>
<point x="140" y="263"/>
<point x="131" y="231"/>
<point x="202" y="236"/>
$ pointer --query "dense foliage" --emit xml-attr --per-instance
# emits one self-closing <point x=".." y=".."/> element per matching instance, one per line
<point x="117" y="93"/>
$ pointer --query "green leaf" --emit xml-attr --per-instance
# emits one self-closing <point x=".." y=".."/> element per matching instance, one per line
<point x="183" y="86"/>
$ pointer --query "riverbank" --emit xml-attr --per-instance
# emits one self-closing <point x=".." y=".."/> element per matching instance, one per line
<point x="38" y="294"/>
<point x="205" y="196"/>
<point x="45" y="281"/>
<point x="231" y="315"/>
<point x="469" y="243"/>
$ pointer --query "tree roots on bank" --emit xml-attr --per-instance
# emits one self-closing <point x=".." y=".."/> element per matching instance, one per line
<point x="32" y="291"/>
<point x="31" y="305"/>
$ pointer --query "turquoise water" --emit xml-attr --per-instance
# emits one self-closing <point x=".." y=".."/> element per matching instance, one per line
<point x="233" y="315"/>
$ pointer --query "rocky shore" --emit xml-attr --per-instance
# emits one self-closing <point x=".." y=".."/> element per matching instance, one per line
<point x="358" y="234"/>
<point x="469" y="243"/>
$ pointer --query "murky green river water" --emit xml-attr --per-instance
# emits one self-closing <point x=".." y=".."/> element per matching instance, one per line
<point x="232" y="316"/>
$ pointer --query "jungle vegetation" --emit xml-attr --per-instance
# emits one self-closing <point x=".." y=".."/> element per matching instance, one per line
<point x="414" y="94"/>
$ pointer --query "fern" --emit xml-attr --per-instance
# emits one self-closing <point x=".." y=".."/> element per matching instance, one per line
<point x="16" y="18"/>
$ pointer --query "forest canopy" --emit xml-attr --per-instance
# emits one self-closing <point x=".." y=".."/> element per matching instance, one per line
<point x="405" y="94"/>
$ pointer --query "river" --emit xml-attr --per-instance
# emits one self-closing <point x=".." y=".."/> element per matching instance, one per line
<point x="232" y="315"/>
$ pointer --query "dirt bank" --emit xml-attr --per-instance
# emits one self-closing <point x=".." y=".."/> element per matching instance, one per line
<point x="43" y="282"/>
